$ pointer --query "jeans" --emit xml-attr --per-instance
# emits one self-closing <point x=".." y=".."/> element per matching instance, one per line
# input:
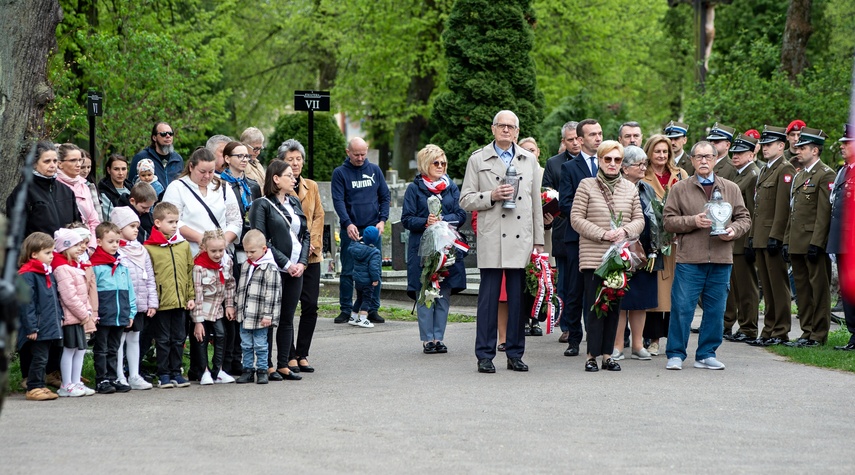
<point x="169" y="337"/>
<point x="233" y="352"/>
<point x="253" y="345"/>
<point x="364" y="301"/>
<point x="217" y="329"/>
<point x="38" y="351"/>
<point x="291" y="287"/>
<point x="309" y="311"/>
<point x="107" y="340"/>
<point x="345" y="282"/>
<point x="711" y="282"/>
<point x="432" y="321"/>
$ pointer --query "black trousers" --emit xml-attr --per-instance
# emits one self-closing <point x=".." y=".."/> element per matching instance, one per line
<point x="169" y="334"/>
<point x="146" y="336"/>
<point x="54" y="356"/>
<point x="488" y="313"/>
<point x="574" y="295"/>
<point x="37" y="353"/>
<point x="107" y="340"/>
<point x="601" y="330"/>
<point x="198" y="359"/>
<point x="291" y="288"/>
<point x="309" y="311"/>
<point x="214" y="329"/>
<point x="232" y="354"/>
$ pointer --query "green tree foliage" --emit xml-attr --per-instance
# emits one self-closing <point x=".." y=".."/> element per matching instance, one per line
<point x="576" y="108"/>
<point x="488" y="47"/>
<point x="329" y="143"/>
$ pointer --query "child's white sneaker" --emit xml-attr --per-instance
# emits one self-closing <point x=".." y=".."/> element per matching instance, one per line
<point x="354" y="320"/>
<point x="71" y="390"/>
<point x="87" y="391"/>
<point x="206" y="379"/>
<point x="224" y="378"/>
<point x="138" y="382"/>
<point x="364" y="323"/>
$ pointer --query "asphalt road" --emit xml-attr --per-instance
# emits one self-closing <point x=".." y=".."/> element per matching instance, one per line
<point x="378" y="405"/>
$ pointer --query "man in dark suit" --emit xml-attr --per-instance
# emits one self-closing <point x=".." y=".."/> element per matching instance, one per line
<point x="552" y="179"/>
<point x="590" y="134"/>
<point x="721" y="136"/>
<point x="844" y="186"/>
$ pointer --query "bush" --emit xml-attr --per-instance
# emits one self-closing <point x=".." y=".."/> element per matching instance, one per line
<point x="329" y="142"/>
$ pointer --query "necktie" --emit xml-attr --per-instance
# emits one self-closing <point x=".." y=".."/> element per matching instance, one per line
<point x="593" y="166"/>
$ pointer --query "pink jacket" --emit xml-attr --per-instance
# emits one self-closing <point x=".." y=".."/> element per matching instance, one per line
<point x="73" y="291"/>
<point x="88" y="213"/>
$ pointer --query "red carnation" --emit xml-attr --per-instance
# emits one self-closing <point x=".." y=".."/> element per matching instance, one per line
<point x="621" y="293"/>
<point x="604" y="307"/>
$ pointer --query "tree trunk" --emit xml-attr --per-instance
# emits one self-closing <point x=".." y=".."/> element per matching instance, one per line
<point x="796" y="35"/>
<point x="408" y="134"/>
<point x="29" y="35"/>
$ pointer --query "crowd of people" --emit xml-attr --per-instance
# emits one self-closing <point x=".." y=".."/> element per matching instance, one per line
<point x="221" y="250"/>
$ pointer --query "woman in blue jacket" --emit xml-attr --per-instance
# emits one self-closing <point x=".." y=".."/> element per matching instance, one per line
<point x="432" y="181"/>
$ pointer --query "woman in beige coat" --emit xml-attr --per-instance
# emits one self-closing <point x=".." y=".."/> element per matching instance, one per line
<point x="598" y="229"/>
<point x="661" y="174"/>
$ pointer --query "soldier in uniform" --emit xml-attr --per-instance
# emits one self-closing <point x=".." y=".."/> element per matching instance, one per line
<point x="721" y="136"/>
<point x="744" y="296"/>
<point x="844" y="186"/>
<point x="807" y="238"/>
<point x="676" y="131"/>
<point x="771" y="214"/>
<point x="793" y="131"/>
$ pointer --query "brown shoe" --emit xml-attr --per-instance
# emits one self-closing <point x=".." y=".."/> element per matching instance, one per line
<point x="54" y="379"/>
<point x="41" y="394"/>
<point x="564" y="337"/>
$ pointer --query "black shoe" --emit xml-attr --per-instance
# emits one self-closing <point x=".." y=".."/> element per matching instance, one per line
<point x="774" y="341"/>
<point x="294" y="369"/>
<point x="120" y="388"/>
<point x="342" y="318"/>
<point x="727" y="335"/>
<point x="502" y="347"/>
<point x="441" y="348"/>
<point x="846" y="347"/>
<point x="262" y="377"/>
<point x="572" y="349"/>
<point x="610" y="365"/>
<point x="591" y="366"/>
<point x="527" y="331"/>
<point x="429" y="348"/>
<point x="375" y="317"/>
<point x="247" y="376"/>
<point x="517" y="364"/>
<point x="485" y="365"/>
<point x="275" y="376"/>
<point x="757" y="342"/>
<point x="290" y="376"/>
<point x="536" y="330"/>
<point x="740" y="337"/>
<point x="105" y="387"/>
<point x="810" y="344"/>
<point x="305" y="368"/>
<point x="565" y="336"/>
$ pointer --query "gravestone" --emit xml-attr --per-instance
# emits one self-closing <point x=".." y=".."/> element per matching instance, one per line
<point x="400" y="236"/>
<point x="471" y="260"/>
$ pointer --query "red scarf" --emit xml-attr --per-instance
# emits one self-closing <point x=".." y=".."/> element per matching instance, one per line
<point x="158" y="239"/>
<point x="435" y="187"/>
<point x="101" y="258"/>
<point x="39" y="267"/>
<point x="122" y="243"/>
<point x="204" y="260"/>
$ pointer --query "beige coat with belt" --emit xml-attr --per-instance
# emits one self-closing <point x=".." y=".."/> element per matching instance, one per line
<point x="505" y="236"/>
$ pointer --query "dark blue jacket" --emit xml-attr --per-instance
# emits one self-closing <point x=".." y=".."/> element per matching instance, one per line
<point x="165" y="175"/>
<point x="360" y="195"/>
<point x="414" y="218"/>
<point x="552" y="179"/>
<point x="367" y="263"/>
<point x="572" y="173"/>
<point x="43" y="314"/>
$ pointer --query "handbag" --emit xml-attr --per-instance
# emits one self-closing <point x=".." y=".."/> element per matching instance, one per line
<point x="199" y="198"/>
<point x="635" y="246"/>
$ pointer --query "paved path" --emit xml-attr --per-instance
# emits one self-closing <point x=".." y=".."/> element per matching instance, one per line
<point x="378" y="405"/>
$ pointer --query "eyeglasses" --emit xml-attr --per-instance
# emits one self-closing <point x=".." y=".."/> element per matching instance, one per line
<point x="75" y="160"/>
<point x="639" y="165"/>
<point x="257" y="149"/>
<point x="166" y="134"/>
<point x="243" y="158"/>
<point x="703" y="158"/>
<point x="505" y="126"/>
<point x="616" y="160"/>
<point x="439" y="164"/>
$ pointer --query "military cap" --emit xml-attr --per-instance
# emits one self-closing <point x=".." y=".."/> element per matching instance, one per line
<point x="848" y="133"/>
<point x="721" y="132"/>
<point x="811" y="137"/>
<point x="796" y="125"/>
<point x="675" y="130"/>
<point x="773" y="134"/>
<point x="743" y="143"/>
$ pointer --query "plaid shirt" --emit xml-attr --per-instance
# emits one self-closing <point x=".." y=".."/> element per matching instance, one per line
<point x="259" y="298"/>
<point x="210" y="293"/>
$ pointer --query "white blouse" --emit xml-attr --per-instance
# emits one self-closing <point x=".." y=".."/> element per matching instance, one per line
<point x="191" y="212"/>
<point x="296" y="244"/>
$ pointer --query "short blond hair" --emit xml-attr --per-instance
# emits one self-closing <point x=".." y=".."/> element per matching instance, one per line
<point x="254" y="236"/>
<point x="164" y="208"/>
<point x="426" y="156"/>
<point x="607" y="146"/>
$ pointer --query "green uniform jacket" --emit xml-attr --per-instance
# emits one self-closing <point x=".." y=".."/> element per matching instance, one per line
<point x="772" y="203"/>
<point x="811" y="209"/>
<point x="173" y="274"/>
<point x="725" y="169"/>
<point x="746" y="181"/>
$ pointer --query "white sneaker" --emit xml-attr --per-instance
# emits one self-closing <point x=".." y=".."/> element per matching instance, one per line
<point x="653" y="349"/>
<point x="709" y="363"/>
<point x="121" y="380"/>
<point x="641" y="354"/>
<point x="224" y="378"/>
<point x="138" y="382"/>
<point x="71" y="390"/>
<point x="617" y="355"/>
<point x="206" y="379"/>
<point x="353" y="321"/>
<point x="674" y="363"/>
<point x="364" y="323"/>
<point x="87" y="391"/>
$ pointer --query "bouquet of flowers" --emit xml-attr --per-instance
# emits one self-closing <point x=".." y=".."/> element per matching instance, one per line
<point x="540" y="284"/>
<point x="549" y="201"/>
<point x="617" y="261"/>
<point x="437" y="251"/>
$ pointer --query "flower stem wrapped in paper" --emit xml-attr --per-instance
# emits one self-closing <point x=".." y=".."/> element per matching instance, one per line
<point x="540" y="284"/>
<point x="438" y="252"/>
<point x="615" y="271"/>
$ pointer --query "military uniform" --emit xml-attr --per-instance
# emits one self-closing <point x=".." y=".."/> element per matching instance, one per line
<point x="676" y="130"/>
<point x="744" y="296"/>
<point x="724" y="167"/>
<point x="844" y="186"/>
<point x="807" y="237"/>
<point x="771" y="214"/>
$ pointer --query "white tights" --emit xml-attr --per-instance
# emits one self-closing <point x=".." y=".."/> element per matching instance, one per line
<point x="71" y="365"/>
<point x="133" y="350"/>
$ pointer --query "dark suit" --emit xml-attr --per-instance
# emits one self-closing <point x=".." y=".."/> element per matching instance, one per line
<point x="844" y="186"/>
<point x="744" y="297"/>
<point x="552" y="179"/>
<point x="572" y="173"/>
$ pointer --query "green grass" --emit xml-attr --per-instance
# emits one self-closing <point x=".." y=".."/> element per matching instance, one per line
<point x="823" y="356"/>
<point x="392" y="313"/>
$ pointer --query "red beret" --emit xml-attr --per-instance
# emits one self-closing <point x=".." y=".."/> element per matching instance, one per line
<point x="752" y="133"/>
<point x="795" y="125"/>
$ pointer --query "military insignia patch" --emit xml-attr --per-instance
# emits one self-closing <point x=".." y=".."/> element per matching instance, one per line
<point x="830" y="185"/>
<point x="788" y="178"/>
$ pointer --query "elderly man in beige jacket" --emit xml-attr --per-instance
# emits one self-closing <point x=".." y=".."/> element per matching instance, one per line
<point x="506" y="236"/>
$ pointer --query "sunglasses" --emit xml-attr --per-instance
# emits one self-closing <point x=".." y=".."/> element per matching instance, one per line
<point x="616" y="160"/>
<point x="439" y="164"/>
<point x="166" y="134"/>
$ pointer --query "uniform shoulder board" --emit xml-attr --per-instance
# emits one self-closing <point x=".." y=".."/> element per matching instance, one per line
<point x="826" y="168"/>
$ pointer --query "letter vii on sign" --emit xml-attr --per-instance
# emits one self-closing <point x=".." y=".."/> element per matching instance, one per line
<point x="313" y="104"/>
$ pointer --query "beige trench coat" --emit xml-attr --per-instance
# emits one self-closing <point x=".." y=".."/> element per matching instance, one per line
<point x="505" y="237"/>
